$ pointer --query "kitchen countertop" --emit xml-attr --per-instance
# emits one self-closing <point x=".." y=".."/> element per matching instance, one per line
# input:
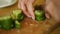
<point x="42" y="28"/>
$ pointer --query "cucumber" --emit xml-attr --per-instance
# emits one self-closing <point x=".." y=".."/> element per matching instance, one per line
<point x="39" y="15"/>
<point x="6" y="22"/>
<point x="17" y="15"/>
<point x="17" y="25"/>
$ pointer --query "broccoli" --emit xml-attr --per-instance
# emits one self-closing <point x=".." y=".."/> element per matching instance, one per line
<point x="6" y="22"/>
<point x="17" y="24"/>
<point x="17" y="15"/>
<point x="39" y="15"/>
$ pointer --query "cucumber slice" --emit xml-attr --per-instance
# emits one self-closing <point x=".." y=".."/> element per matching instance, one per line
<point x="39" y="15"/>
<point x="17" y="25"/>
<point x="17" y="15"/>
<point x="6" y="22"/>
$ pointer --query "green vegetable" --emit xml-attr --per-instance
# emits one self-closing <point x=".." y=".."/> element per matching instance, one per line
<point x="17" y="15"/>
<point x="11" y="21"/>
<point x="6" y="22"/>
<point x="17" y="25"/>
<point x="39" y="15"/>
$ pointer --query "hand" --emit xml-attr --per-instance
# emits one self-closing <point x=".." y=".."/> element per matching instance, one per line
<point x="27" y="7"/>
<point x="53" y="11"/>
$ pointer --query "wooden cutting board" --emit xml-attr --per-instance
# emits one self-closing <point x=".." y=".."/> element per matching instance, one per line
<point x="29" y="26"/>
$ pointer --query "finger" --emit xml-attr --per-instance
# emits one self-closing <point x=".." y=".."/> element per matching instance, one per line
<point x="52" y="11"/>
<point x="31" y="1"/>
<point x="47" y="15"/>
<point x="48" y="10"/>
<point x="23" y="7"/>
<point x="30" y="10"/>
<point x="19" y="1"/>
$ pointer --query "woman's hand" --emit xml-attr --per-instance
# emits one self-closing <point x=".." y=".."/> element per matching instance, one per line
<point x="53" y="11"/>
<point x="27" y="7"/>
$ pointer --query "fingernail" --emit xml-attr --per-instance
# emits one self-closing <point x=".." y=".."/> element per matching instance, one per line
<point x="33" y="18"/>
<point x="47" y="16"/>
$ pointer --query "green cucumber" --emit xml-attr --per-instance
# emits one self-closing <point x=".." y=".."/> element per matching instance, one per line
<point x="6" y="22"/>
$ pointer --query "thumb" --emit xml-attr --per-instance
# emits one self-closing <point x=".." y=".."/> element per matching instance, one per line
<point x="47" y="15"/>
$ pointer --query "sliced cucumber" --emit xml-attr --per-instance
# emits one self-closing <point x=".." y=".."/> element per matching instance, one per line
<point x="6" y="22"/>
<point x="17" y="15"/>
